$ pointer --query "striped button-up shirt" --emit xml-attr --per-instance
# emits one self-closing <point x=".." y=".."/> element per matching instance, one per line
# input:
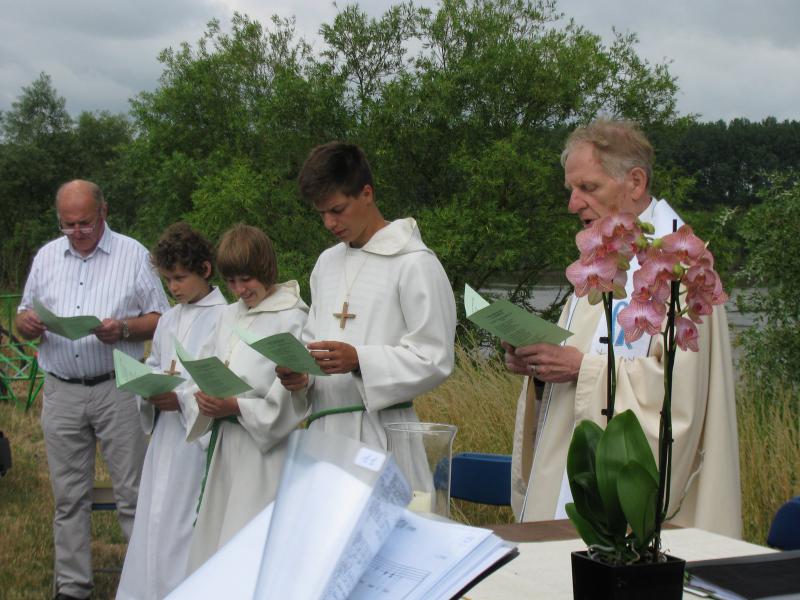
<point x="115" y="281"/>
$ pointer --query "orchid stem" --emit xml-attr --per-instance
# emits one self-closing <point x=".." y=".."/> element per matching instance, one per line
<point x="665" y="427"/>
<point x="611" y="379"/>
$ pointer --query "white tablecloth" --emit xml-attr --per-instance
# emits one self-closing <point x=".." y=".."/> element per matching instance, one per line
<point x="543" y="569"/>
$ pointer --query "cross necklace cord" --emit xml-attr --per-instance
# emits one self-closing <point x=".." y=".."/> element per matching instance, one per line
<point x="181" y="338"/>
<point x="345" y="314"/>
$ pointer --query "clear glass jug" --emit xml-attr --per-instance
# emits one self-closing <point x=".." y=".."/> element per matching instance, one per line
<point x="424" y="452"/>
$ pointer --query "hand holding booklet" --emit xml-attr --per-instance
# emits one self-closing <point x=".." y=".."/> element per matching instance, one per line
<point x="284" y="350"/>
<point x="509" y="322"/>
<point x="72" y="328"/>
<point x="338" y="529"/>
<point x="211" y="375"/>
<point x="132" y="376"/>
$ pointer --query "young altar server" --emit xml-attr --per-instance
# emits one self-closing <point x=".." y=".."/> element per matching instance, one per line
<point x="382" y="318"/>
<point x="173" y="469"/>
<point x="251" y="430"/>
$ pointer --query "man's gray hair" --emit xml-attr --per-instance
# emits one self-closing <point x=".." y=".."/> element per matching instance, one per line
<point x="618" y="145"/>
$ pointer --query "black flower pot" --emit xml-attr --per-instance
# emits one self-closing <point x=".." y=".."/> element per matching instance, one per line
<point x="595" y="580"/>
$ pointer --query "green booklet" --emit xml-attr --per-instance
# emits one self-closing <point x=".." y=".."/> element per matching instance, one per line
<point x="509" y="322"/>
<point x="70" y="327"/>
<point x="211" y="375"/>
<point x="284" y="350"/>
<point x="132" y="376"/>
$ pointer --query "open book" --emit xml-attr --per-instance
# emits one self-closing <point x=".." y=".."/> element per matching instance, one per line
<point x="338" y="529"/>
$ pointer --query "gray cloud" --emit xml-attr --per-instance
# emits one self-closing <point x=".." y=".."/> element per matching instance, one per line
<point x="732" y="57"/>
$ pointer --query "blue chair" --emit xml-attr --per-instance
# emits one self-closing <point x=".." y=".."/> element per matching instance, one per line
<point x="482" y="478"/>
<point x="784" y="533"/>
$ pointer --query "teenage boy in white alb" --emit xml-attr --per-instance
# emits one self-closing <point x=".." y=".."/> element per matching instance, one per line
<point x="382" y="319"/>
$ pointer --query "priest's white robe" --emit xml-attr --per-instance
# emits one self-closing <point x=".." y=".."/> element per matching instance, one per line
<point x="703" y="420"/>
<point x="155" y="562"/>
<point x="248" y="457"/>
<point x="403" y="331"/>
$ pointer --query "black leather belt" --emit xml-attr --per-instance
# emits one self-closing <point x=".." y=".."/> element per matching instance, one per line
<point x="88" y="381"/>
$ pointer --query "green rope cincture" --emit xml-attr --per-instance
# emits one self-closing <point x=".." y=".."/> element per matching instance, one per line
<point x="346" y="409"/>
<point x="212" y="443"/>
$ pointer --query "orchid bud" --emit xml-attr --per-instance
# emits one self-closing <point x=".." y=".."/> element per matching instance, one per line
<point x="646" y="227"/>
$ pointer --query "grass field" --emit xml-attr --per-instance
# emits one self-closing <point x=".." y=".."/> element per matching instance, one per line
<point x="479" y="398"/>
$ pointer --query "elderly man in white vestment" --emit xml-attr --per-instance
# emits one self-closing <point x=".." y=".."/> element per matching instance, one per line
<point x="382" y="318"/>
<point x="608" y="166"/>
<point x="90" y="270"/>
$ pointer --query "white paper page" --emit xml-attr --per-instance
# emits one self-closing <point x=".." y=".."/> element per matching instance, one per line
<point x="303" y="550"/>
<point x="416" y="554"/>
<point x="376" y="524"/>
<point x="473" y="301"/>
<point x="232" y="571"/>
<point x="490" y="550"/>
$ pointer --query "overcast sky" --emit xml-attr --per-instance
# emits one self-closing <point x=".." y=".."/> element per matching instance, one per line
<point x="733" y="58"/>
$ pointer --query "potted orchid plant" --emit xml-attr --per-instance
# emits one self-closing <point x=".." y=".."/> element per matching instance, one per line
<point x="620" y="490"/>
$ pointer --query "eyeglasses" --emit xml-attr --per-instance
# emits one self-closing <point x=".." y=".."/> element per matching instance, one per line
<point x="83" y="229"/>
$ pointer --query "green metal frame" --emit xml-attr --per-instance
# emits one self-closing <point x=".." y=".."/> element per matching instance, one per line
<point x="18" y="360"/>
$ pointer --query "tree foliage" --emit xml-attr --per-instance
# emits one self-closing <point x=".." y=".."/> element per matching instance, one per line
<point x="772" y="234"/>
<point x="42" y="147"/>
<point x="462" y="110"/>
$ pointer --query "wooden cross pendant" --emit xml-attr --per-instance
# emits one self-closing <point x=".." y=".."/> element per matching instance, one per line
<point x="344" y="315"/>
<point x="172" y="370"/>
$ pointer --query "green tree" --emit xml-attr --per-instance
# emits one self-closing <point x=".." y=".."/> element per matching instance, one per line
<point x="773" y="238"/>
<point x="37" y="113"/>
<point x="247" y="103"/>
<point x="467" y="135"/>
<point x="42" y="147"/>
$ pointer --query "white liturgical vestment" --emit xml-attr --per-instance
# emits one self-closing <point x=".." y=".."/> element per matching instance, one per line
<point x="249" y="454"/>
<point x="403" y="329"/>
<point x="703" y="415"/>
<point x="155" y="562"/>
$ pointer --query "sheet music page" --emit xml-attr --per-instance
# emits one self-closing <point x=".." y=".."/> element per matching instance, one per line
<point x="376" y="524"/>
<point x="417" y="554"/>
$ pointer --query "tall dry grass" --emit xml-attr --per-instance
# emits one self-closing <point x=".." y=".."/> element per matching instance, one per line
<point x="26" y="516"/>
<point x="480" y="398"/>
<point x="769" y="452"/>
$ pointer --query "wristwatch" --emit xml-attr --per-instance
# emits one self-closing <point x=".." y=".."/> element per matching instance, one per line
<point x="126" y="332"/>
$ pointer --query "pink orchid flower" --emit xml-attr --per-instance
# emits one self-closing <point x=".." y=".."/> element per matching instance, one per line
<point x="653" y="279"/>
<point x="590" y="242"/>
<point x="617" y="222"/>
<point x="684" y="243"/>
<point x="597" y="274"/>
<point x="686" y="335"/>
<point x="639" y="318"/>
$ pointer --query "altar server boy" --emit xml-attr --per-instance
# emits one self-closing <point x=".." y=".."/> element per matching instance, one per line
<point x="249" y="432"/>
<point x="173" y="469"/>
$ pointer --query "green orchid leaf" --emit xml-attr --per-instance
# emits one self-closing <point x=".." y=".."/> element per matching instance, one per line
<point x="587" y="499"/>
<point x="583" y="447"/>
<point x="622" y="442"/>
<point x="590" y="534"/>
<point x="581" y="472"/>
<point x="637" y="490"/>
<point x="638" y="447"/>
<point x="611" y="457"/>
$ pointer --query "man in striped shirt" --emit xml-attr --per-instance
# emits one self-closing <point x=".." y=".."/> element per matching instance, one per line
<point x="91" y="270"/>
